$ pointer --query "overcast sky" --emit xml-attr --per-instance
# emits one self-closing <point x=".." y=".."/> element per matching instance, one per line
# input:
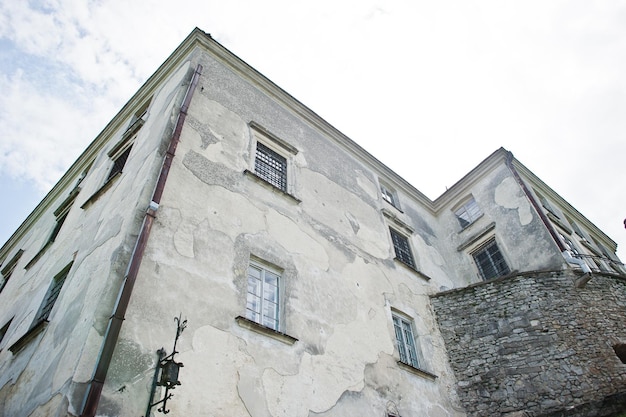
<point x="430" y="88"/>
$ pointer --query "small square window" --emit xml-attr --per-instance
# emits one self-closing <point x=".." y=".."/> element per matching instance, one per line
<point x="490" y="262"/>
<point x="263" y="296"/>
<point x="402" y="248"/>
<point x="389" y="195"/>
<point x="405" y="341"/>
<point x="468" y="213"/>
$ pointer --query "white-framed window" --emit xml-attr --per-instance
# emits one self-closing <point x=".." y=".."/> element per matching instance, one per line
<point x="273" y="159"/>
<point x="405" y="340"/>
<point x="402" y="248"/>
<point x="468" y="213"/>
<point x="389" y="195"/>
<point x="263" y="299"/>
<point x="490" y="261"/>
<point x="547" y="205"/>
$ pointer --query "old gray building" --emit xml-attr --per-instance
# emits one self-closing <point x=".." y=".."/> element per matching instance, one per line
<point x="314" y="280"/>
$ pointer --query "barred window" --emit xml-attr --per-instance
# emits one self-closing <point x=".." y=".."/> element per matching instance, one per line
<point x="263" y="298"/>
<point x="402" y="248"/>
<point x="405" y="341"/>
<point x="271" y="166"/>
<point x="468" y="213"/>
<point x="490" y="262"/>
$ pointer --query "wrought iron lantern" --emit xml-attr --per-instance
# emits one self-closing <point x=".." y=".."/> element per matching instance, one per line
<point x="166" y="373"/>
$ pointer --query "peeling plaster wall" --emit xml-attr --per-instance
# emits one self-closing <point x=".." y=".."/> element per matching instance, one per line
<point x="509" y="216"/>
<point x="340" y="279"/>
<point x="47" y="377"/>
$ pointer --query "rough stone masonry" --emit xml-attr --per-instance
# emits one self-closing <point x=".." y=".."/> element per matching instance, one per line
<point x="534" y="345"/>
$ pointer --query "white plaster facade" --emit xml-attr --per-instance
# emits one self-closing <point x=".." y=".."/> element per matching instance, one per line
<point x="327" y="234"/>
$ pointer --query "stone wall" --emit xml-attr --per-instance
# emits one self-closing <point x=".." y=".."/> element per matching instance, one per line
<point x="533" y="344"/>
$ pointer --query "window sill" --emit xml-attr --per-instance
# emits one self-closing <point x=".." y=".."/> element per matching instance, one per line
<point x="464" y="228"/>
<point x="259" y="328"/>
<point x="417" y="371"/>
<point x="39" y="254"/>
<point x="30" y="335"/>
<point x="476" y="237"/>
<point x="101" y="191"/>
<point x="412" y="269"/>
<point x="272" y="187"/>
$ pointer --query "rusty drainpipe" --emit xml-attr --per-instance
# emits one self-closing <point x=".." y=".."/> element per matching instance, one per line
<point x="580" y="282"/>
<point x="94" y="391"/>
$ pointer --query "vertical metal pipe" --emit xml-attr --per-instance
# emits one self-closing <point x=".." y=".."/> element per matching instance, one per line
<point x="531" y="198"/>
<point x="94" y="390"/>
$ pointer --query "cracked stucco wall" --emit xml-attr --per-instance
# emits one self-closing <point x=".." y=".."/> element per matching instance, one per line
<point x="48" y="376"/>
<point x="340" y="279"/>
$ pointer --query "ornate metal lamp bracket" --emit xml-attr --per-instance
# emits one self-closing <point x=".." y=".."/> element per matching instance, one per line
<point x="166" y="372"/>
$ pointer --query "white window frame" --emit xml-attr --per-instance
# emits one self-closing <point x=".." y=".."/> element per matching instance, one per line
<point x="468" y="212"/>
<point x="483" y="247"/>
<point x="389" y="195"/>
<point x="278" y="146"/>
<point x="257" y="305"/>
<point x="406" y="342"/>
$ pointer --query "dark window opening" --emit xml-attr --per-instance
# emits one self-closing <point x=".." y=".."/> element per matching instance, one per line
<point x="119" y="163"/>
<point x="51" y="297"/>
<point x="620" y="351"/>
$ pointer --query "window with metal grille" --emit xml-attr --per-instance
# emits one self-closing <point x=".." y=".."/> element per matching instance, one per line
<point x="118" y="163"/>
<point x="271" y="166"/>
<point x="490" y="262"/>
<point x="263" y="298"/>
<point x="405" y="341"/>
<point x="468" y="213"/>
<point x="402" y="248"/>
<point x="51" y="297"/>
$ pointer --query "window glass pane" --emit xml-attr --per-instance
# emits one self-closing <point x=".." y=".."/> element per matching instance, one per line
<point x="262" y="304"/>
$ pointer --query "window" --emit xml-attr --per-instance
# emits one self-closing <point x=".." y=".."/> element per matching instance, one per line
<point x="389" y="195"/>
<point x="139" y="116"/>
<point x="546" y="204"/>
<point x="405" y="340"/>
<point x="119" y="162"/>
<point x="4" y="330"/>
<point x="263" y="298"/>
<point x="271" y="166"/>
<point x="402" y="248"/>
<point x="620" y="351"/>
<point x="51" y="297"/>
<point x="490" y="262"/>
<point x="7" y="271"/>
<point x="468" y="213"/>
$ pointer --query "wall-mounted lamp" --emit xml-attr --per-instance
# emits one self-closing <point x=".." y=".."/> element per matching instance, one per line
<point x="166" y="372"/>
